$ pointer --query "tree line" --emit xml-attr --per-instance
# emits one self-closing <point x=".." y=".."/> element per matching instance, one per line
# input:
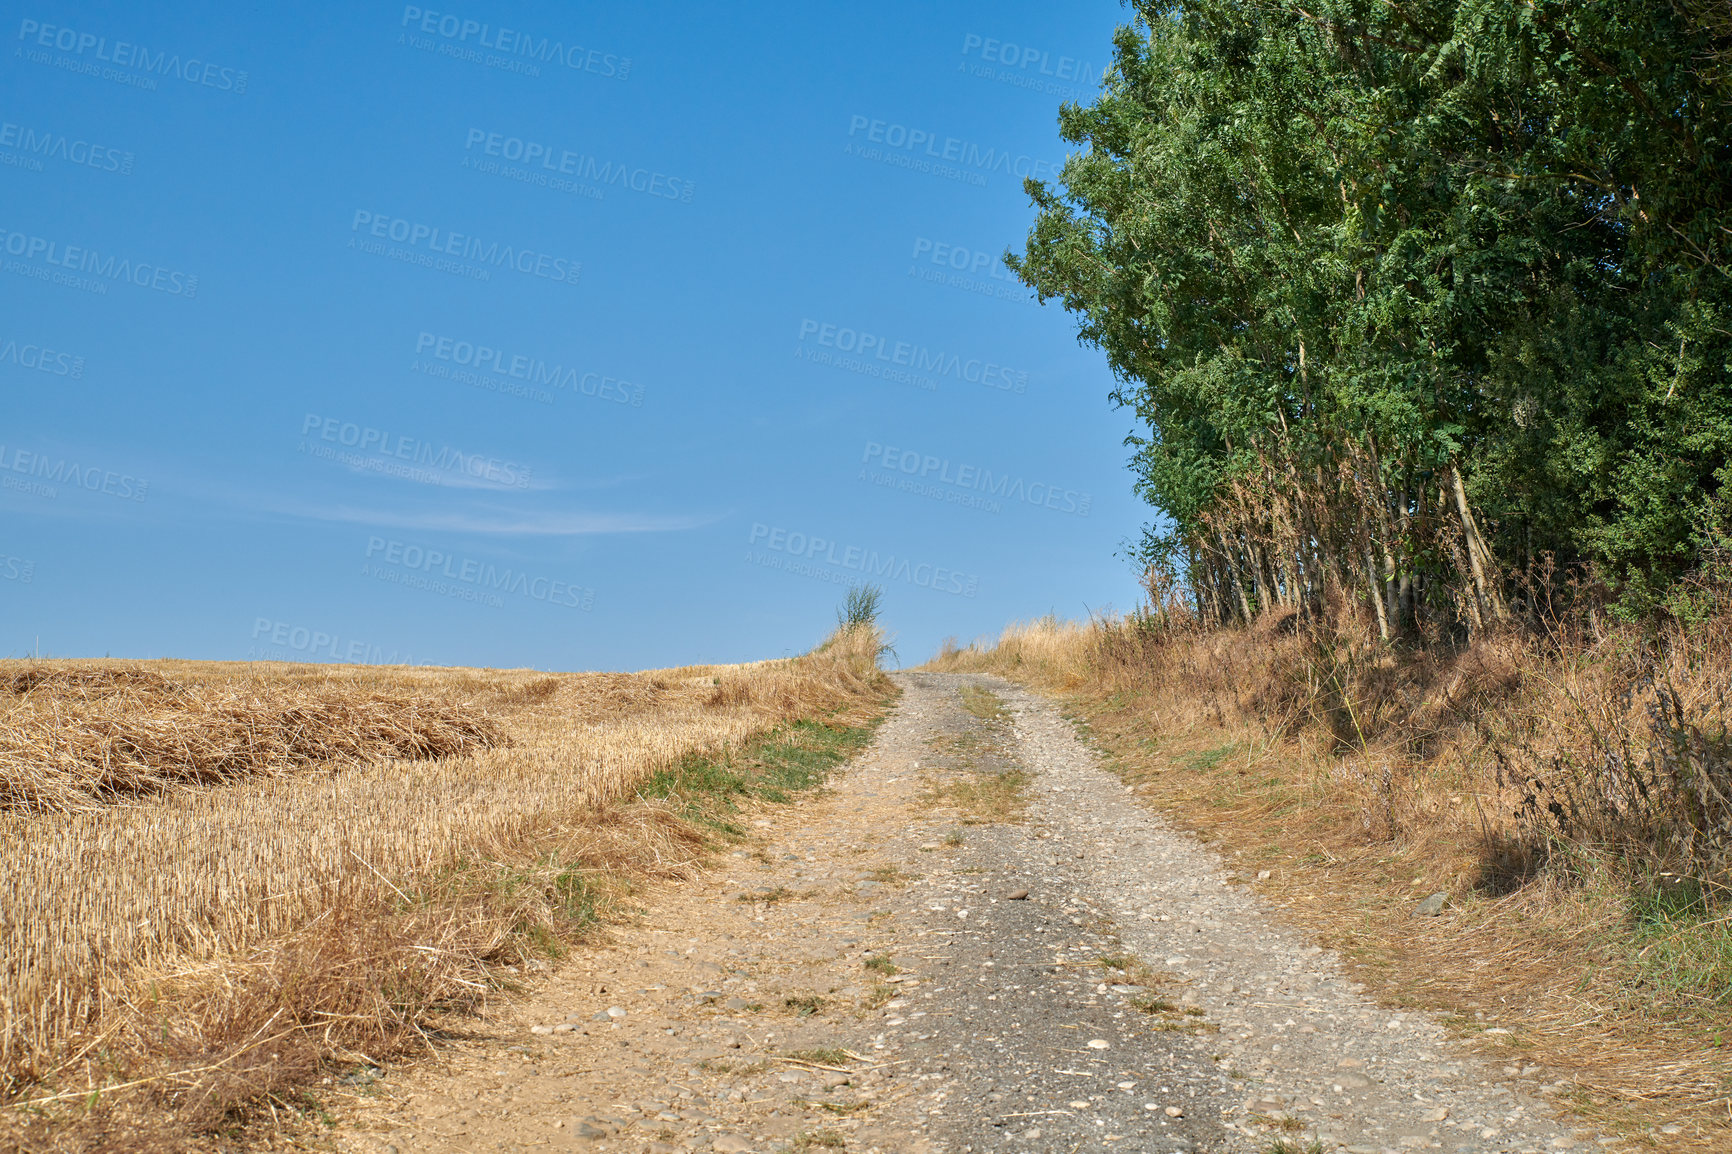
<point x="1412" y="300"/>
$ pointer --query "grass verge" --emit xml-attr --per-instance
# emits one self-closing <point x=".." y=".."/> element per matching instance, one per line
<point x="1585" y="972"/>
<point x="708" y="791"/>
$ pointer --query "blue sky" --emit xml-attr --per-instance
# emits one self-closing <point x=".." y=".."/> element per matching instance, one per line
<point x="527" y="334"/>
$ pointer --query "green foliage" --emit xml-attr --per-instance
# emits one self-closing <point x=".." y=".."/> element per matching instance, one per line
<point x="790" y="759"/>
<point x="860" y="606"/>
<point x="1683" y="940"/>
<point x="1337" y="253"/>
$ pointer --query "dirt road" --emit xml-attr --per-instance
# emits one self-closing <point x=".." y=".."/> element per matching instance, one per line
<point x="975" y="941"/>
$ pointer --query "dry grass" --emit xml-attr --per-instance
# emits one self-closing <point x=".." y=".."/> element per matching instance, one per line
<point x="979" y="781"/>
<point x="984" y="796"/>
<point x="74" y="740"/>
<point x="983" y="703"/>
<point x="340" y="859"/>
<point x="1363" y="777"/>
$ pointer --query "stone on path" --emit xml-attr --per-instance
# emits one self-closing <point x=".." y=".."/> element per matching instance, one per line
<point x="1431" y="906"/>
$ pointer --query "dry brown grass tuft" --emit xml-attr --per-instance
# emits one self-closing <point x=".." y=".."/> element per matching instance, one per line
<point x="213" y="944"/>
<point x="1549" y="784"/>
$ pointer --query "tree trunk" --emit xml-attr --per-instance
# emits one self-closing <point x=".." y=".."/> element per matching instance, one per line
<point x="1479" y="557"/>
<point x="1236" y="578"/>
<point x="1376" y="596"/>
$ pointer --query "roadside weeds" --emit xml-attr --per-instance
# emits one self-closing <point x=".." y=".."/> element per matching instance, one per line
<point x="1502" y="833"/>
<point x="1532" y="979"/>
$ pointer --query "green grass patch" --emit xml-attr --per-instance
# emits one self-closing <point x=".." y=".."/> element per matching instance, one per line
<point x="1204" y="760"/>
<point x="881" y="963"/>
<point x="729" y="1066"/>
<point x="786" y="761"/>
<point x="1681" y="941"/>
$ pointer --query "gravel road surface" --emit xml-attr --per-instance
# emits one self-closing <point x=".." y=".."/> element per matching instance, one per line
<point x="975" y="941"/>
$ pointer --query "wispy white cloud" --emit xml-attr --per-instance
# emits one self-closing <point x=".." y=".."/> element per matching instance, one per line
<point x="504" y="522"/>
<point x="524" y="478"/>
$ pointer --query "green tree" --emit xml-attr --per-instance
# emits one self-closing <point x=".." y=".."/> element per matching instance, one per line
<point x="1404" y="295"/>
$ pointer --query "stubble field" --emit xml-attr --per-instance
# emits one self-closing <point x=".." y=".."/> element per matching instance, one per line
<point x="221" y="878"/>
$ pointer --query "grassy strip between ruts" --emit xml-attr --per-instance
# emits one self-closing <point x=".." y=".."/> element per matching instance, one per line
<point x="239" y="1052"/>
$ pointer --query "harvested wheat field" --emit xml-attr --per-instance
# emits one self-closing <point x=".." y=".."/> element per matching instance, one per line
<point x="221" y="876"/>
